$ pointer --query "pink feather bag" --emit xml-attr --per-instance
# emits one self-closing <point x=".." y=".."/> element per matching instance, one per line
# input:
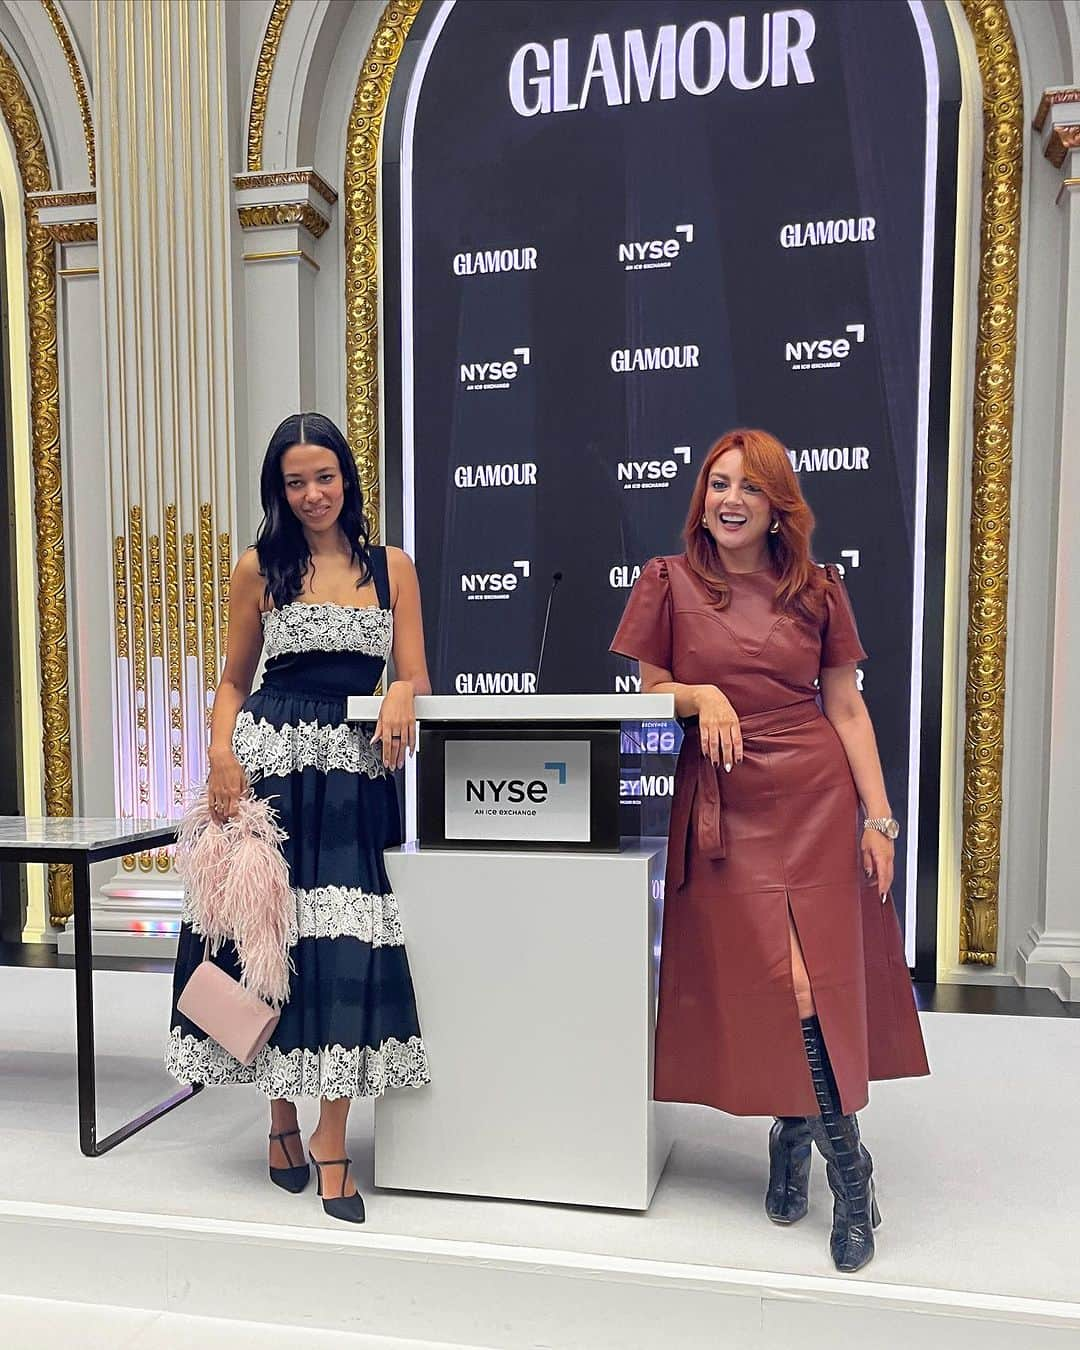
<point x="237" y="883"/>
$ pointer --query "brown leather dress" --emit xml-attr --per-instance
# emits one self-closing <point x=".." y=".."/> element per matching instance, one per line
<point x="779" y="833"/>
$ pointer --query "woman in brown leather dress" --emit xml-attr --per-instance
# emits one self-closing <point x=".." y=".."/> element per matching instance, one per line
<point x="783" y="983"/>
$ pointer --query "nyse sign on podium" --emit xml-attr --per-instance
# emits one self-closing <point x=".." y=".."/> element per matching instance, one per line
<point x="524" y="790"/>
<point x="625" y="227"/>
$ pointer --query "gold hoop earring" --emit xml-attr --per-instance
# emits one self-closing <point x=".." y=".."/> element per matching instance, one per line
<point x="704" y="522"/>
<point x="774" y="528"/>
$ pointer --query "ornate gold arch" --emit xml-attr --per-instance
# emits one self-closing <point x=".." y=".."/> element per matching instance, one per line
<point x="261" y="90"/>
<point x="991" y="476"/>
<point x="362" y="243"/>
<point x="33" y="164"/>
<point x="995" y="365"/>
<point x="64" y="38"/>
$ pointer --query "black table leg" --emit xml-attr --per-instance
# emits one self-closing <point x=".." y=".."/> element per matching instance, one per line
<point x="84" y="1036"/>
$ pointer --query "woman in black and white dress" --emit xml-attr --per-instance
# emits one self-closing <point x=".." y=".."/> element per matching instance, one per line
<point x="329" y="608"/>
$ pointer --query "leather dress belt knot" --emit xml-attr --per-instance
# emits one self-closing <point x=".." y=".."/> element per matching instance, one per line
<point x="698" y="803"/>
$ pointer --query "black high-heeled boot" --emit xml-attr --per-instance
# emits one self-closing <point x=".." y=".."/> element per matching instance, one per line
<point x="849" y="1166"/>
<point x="790" y="1141"/>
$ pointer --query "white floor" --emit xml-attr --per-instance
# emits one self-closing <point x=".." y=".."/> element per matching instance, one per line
<point x="49" y="1325"/>
<point x="976" y="1166"/>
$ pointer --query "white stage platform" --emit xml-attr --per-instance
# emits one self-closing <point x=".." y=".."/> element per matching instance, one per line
<point x="978" y="1188"/>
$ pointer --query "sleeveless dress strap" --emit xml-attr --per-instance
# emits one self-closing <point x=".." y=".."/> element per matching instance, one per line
<point x="380" y="572"/>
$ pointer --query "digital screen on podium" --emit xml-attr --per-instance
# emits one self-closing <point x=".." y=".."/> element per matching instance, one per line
<point x="517" y="790"/>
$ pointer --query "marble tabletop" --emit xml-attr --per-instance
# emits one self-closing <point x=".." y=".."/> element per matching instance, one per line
<point x="88" y="832"/>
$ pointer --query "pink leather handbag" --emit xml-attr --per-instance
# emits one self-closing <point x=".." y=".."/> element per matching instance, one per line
<point x="233" y="1016"/>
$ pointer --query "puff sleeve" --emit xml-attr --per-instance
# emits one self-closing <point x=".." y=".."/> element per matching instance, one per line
<point x="840" y="645"/>
<point x="644" y="632"/>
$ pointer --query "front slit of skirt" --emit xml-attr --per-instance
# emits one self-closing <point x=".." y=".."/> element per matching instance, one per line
<point x="830" y="1025"/>
<point x="790" y="914"/>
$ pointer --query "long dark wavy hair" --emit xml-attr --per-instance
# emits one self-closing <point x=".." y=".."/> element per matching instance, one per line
<point x="284" y="556"/>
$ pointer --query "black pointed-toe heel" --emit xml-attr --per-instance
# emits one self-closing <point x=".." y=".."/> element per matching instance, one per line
<point x="790" y="1150"/>
<point x="849" y="1166"/>
<point x="292" y="1179"/>
<point x="349" y="1208"/>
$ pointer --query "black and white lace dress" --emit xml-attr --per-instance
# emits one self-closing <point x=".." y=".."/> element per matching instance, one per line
<point x="350" y="1027"/>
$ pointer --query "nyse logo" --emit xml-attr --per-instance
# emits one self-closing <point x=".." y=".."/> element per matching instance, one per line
<point x="495" y="475"/>
<point x="622" y="576"/>
<point x="493" y="374"/>
<point x="815" y="233"/>
<point x="505" y="790"/>
<point x="501" y="792"/>
<point x="854" y="557"/>
<point x="642" y="254"/>
<point x="635" y="474"/>
<point x="694" y="62"/>
<point x="624" y="360"/>
<point x="495" y="682"/>
<point x="823" y="353"/>
<point x="830" y="459"/>
<point x="494" y="585"/>
<point x="495" y="260"/>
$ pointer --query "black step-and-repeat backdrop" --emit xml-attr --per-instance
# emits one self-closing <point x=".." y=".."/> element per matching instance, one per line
<point x="615" y="230"/>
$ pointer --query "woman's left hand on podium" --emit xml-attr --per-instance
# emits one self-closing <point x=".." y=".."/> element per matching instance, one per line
<point x="396" y="727"/>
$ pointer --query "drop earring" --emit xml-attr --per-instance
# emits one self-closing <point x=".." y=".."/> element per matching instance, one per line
<point x="774" y="528"/>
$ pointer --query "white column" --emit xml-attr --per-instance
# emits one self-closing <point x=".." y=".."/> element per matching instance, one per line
<point x="166" y="317"/>
<point x="284" y="217"/>
<point x="1049" y="956"/>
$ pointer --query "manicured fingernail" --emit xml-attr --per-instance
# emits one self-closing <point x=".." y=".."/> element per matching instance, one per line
<point x="869" y="872"/>
<point x="727" y="768"/>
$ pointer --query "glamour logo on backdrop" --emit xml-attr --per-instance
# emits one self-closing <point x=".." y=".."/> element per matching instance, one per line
<point x="695" y="59"/>
<point x="623" y="575"/>
<point x="823" y="353"/>
<point x="495" y="475"/>
<point x="830" y="459"/>
<point x="625" y="360"/>
<point x="816" y="233"/>
<point x="635" y="474"/>
<point x="495" y="682"/>
<point x="642" y="255"/>
<point x="495" y="260"/>
<point x="483" y="375"/>
<point x="494" y="585"/>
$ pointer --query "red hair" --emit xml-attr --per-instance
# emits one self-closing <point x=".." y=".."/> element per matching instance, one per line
<point x="766" y="463"/>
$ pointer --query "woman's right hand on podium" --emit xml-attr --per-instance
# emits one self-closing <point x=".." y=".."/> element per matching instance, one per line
<point x="225" y="785"/>
<point x="718" y="725"/>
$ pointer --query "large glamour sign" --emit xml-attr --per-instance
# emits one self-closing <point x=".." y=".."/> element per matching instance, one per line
<point x="613" y="231"/>
<point x="694" y="61"/>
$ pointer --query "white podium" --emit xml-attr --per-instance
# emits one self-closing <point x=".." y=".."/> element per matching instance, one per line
<point x="535" y="977"/>
<point x="535" y="966"/>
